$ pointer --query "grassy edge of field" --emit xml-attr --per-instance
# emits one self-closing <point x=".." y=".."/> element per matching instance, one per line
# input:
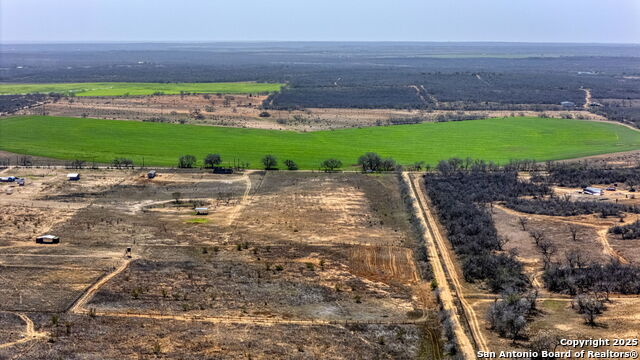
<point x="137" y="88"/>
<point x="160" y="144"/>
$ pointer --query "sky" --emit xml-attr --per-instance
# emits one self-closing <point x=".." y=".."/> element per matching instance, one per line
<point x="583" y="21"/>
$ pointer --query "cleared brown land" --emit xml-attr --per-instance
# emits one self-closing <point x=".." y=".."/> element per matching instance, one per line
<point x="323" y="262"/>
<point x="554" y="310"/>
<point x="244" y="111"/>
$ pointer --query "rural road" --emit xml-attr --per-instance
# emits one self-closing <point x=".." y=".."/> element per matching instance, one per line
<point x="438" y="255"/>
<point x="587" y="98"/>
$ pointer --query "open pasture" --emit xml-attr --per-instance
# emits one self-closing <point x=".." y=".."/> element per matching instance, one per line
<point x="330" y="257"/>
<point x="138" y="88"/>
<point x="161" y="144"/>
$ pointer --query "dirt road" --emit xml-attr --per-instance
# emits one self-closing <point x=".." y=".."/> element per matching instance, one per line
<point x="29" y="333"/>
<point x="441" y="267"/>
<point x="587" y="98"/>
<point x="78" y="306"/>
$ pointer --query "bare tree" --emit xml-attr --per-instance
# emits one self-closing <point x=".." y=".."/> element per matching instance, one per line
<point x="575" y="258"/>
<point x="573" y="229"/>
<point x="547" y="249"/>
<point x="537" y="236"/>
<point x="502" y="241"/>
<point x="544" y="340"/>
<point x="523" y="220"/>
<point x="589" y="306"/>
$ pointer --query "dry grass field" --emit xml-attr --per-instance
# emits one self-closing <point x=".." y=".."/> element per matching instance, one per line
<point x="322" y="262"/>
<point x="238" y="110"/>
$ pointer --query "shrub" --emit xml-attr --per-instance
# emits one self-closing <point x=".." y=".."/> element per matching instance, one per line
<point x="291" y="165"/>
<point x="270" y="162"/>
<point x="186" y="161"/>
<point x="370" y="161"/>
<point x="212" y="160"/>
<point x="330" y="165"/>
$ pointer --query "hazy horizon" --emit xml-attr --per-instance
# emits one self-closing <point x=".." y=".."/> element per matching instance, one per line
<point x="201" y="21"/>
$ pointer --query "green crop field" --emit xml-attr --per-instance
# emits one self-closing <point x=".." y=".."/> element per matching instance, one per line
<point x="123" y="89"/>
<point x="160" y="144"/>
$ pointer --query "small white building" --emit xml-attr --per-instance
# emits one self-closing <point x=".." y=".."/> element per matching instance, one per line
<point x="202" y="211"/>
<point x="592" y="191"/>
<point x="48" y="239"/>
<point x="73" y="177"/>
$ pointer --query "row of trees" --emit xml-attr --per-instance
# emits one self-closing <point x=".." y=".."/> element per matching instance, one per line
<point x="269" y="161"/>
<point x="369" y="162"/>
<point x="564" y="206"/>
<point x="582" y="175"/>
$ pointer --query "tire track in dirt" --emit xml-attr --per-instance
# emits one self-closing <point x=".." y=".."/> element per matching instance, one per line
<point x="250" y="319"/>
<point x="419" y="93"/>
<point x="29" y="333"/>
<point x="440" y="270"/>
<point x="447" y="257"/>
<point x="78" y="306"/>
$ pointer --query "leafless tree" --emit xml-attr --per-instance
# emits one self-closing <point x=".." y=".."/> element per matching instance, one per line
<point x="575" y="258"/>
<point x="573" y="229"/>
<point x="537" y="236"/>
<point x="523" y="220"/>
<point x="589" y="306"/>
<point x="547" y="249"/>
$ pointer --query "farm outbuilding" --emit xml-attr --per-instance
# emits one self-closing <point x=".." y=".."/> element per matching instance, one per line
<point x="202" y="211"/>
<point x="48" y="239"/>
<point x="592" y="191"/>
<point x="568" y="104"/>
<point x="73" y="177"/>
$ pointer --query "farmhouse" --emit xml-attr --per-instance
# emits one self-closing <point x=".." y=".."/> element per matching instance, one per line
<point x="202" y="211"/>
<point x="48" y="239"/>
<point x="73" y="177"/>
<point x="592" y="191"/>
